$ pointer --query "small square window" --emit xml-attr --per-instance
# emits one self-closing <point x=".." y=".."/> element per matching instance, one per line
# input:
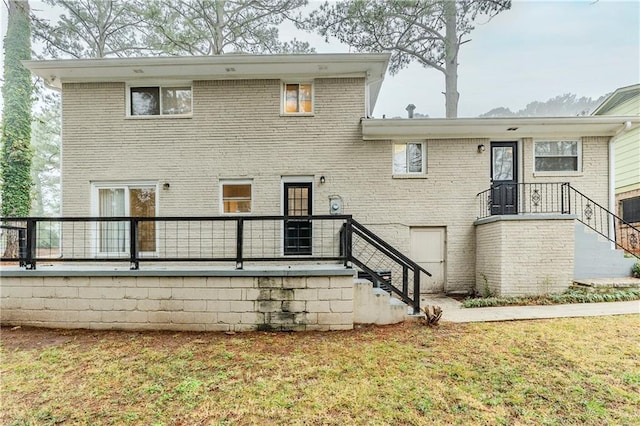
<point x="157" y="100"/>
<point x="557" y="156"/>
<point x="298" y="98"/>
<point x="409" y="158"/>
<point x="236" y="197"/>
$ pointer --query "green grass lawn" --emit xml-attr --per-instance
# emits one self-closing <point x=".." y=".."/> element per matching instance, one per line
<point x="565" y="371"/>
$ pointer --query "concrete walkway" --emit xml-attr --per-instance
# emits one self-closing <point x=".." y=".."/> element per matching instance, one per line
<point x="453" y="311"/>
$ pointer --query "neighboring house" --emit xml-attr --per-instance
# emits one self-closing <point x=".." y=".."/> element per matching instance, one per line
<point x="485" y="205"/>
<point x="626" y="101"/>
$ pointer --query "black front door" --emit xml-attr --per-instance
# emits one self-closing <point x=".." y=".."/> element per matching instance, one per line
<point x="504" y="178"/>
<point x="297" y="227"/>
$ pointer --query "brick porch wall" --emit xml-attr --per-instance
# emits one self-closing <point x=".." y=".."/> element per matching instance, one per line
<point x="524" y="255"/>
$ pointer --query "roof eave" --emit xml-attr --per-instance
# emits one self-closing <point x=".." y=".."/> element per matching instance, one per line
<point x="494" y="128"/>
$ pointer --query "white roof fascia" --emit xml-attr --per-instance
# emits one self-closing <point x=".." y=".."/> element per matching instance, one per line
<point x="467" y="128"/>
<point x="371" y="66"/>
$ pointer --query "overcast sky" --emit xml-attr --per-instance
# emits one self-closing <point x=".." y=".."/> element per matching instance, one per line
<point x="533" y="52"/>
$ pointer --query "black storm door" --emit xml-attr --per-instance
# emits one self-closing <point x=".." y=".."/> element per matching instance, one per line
<point x="297" y="228"/>
<point x="504" y="178"/>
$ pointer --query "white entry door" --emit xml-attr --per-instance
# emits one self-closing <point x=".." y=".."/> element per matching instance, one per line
<point x="428" y="251"/>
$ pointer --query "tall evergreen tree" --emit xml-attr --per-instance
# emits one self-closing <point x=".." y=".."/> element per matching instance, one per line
<point x="16" y="118"/>
<point x="429" y="32"/>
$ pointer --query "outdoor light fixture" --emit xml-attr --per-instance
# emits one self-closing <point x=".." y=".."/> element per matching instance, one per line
<point x="166" y="186"/>
<point x="322" y="179"/>
<point x="481" y="148"/>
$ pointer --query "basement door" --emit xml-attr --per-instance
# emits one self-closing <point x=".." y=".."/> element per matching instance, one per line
<point x="428" y="251"/>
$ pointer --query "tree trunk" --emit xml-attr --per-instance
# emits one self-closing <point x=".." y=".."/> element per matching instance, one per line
<point x="219" y="42"/>
<point x="451" y="60"/>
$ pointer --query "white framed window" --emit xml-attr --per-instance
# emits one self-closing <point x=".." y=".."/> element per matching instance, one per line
<point x="125" y="200"/>
<point x="409" y="158"/>
<point x="557" y="156"/>
<point x="156" y="100"/>
<point x="297" y="98"/>
<point x="236" y="196"/>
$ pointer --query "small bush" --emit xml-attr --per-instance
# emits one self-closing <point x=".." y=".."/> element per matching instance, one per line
<point x="569" y="296"/>
<point x="635" y="271"/>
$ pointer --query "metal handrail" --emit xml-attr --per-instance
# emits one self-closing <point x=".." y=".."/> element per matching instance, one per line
<point x="590" y="209"/>
<point x="563" y="198"/>
<point x="394" y="258"/>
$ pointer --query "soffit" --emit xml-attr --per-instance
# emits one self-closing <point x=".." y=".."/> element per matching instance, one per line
<point x="221" y="67"/>
<point x="494" y="128"/>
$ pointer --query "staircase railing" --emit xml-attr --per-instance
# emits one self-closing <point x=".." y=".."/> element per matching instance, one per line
<point x="602" y="221"/>
<point x="388" y="267"/>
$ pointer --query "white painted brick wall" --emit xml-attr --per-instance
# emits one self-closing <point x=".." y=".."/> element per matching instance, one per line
<point x="525" y="257"/>
<point x="237" y="132"/>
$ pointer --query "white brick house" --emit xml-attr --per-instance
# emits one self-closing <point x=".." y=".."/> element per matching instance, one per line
<point x="233" y="134"/>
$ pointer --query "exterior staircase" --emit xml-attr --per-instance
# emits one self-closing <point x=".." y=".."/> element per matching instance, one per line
<point x="374" y="305"/>
<point x="594" y="257"/>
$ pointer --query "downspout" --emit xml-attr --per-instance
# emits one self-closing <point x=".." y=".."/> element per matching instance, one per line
<point x="612" y="176"/>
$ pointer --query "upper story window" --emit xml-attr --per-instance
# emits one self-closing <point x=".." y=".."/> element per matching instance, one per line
<point x="557" y="156"/>
<point x="297" y="98"/>
<point x="160" y="100"/>
<point x="409" y="158"/>
<point x="236" y="196"/>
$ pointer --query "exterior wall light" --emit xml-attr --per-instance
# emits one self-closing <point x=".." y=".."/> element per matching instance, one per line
<point x="166" y="186"/>
<point x="322" y="179"/>
<point x="481" y="148"/>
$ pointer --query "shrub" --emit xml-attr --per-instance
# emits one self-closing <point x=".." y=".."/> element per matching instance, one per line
<point x="635" y="271"/>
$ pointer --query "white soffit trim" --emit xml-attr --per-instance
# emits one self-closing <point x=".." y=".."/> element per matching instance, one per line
<point x="228" y="67"/>
<point x="464" y="128"/>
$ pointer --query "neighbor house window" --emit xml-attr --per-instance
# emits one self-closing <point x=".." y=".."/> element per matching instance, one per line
<point x="120" y="201"/>
<point x="557" y="156"/>
<point x="236" y="197"/>
<point x="160" y="100"/>
<point x="409" y="158"/>
<point x="298" y="98"/>
<point x="630" y="210"/>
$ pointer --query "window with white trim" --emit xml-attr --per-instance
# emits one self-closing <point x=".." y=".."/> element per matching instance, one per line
<point x="160" y="100"/>
<point x="409" y="158"/>
<point x="557" y="156"/>
<point x="297" y="98"/>
<point x="236" y="196"/>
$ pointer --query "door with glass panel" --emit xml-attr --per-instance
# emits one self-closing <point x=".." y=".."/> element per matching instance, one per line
<point x="504" y="178"/>
<point x="132" y="201"/>
<point x="297" y="228"/>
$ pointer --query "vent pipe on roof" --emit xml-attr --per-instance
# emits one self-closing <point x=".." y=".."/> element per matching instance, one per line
<point x="410" y="108"/>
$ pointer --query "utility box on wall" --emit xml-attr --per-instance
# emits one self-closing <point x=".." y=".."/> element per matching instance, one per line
<point x="335" y="204"/>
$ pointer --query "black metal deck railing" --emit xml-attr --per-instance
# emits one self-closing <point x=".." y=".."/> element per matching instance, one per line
<point x="233" y="240"/>
<point x="559" y="198"/>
